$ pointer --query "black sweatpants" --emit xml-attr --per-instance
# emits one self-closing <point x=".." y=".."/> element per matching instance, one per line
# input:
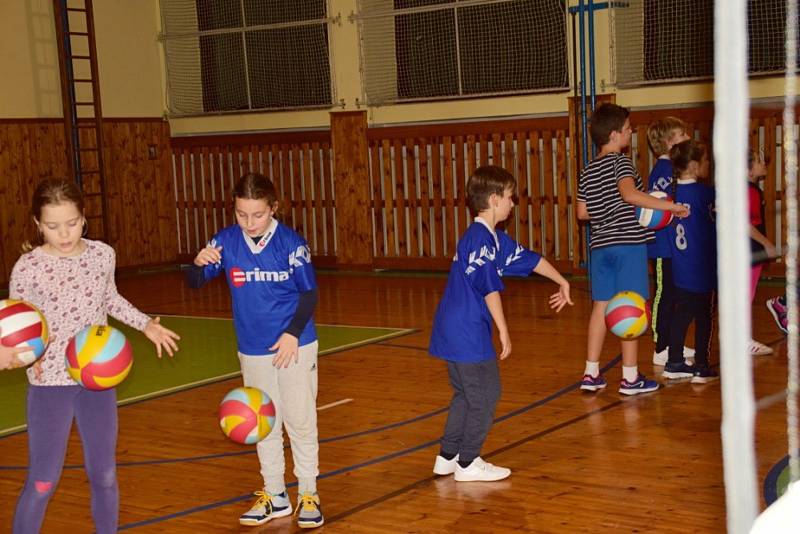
<point x="663" y="303"/>
<point x="688" y="307"/>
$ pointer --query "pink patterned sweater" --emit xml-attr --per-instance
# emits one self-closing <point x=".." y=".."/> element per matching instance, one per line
<point x="72" y="293"/>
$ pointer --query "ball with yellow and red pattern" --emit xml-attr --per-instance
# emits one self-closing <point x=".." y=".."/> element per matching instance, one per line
<point x="628" y="315"/>
<point x="246" y="415"/>
<point x="99" y="357"/>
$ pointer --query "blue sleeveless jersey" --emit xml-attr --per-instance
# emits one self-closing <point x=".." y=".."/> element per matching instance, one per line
<point x="265" y="280"/>
<point x="462" y="327"/>
<point x="693" y="240"/>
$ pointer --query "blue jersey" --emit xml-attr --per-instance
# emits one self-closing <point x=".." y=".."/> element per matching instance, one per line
<point x="693" y="240"/>
<point x="265" y="279"/>
<point x="462" y="328"/>
<point x="660" y="180"/>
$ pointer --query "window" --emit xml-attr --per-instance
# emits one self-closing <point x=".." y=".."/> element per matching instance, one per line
<point x="442" y="49"/>
<point x="240" y="55"/>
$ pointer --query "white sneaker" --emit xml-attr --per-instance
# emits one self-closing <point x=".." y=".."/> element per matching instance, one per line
<point x="759" y="349"/>
<point x="661" y="358"/>
<point x="480" y="471"/>
<point x="444" y="467"/>
<point x="265" y="508"/>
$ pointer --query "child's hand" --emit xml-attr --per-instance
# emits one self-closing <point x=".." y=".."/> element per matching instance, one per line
<point x="771" y="251"/>
<point x="287" y="348"/>
<point x="505" y="345"/>
<point x="208" y="255"/>
<point x="8" y="357"/>
<point x="161" y="337"/>
<point x="562" y="298"/>
<point x="680" y="210"/>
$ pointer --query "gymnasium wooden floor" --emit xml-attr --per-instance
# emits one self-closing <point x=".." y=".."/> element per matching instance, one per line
<point x="581" y="462"/>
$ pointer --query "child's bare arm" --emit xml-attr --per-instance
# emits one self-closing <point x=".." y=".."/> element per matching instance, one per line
<point x="764" y="241"/>
<point x="495" y="305"/>
<point x="582" y="211"/>
<point x="631" y="195"/>
<point x="562" y="298"/>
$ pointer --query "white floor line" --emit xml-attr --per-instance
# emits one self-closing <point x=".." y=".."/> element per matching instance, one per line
<point x="333" y="404"/>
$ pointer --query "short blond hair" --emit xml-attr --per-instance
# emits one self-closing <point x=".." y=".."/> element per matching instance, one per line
<point x="661" y="131"/>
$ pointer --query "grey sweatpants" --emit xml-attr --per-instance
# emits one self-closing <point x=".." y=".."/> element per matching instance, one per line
<point x="293" y="390"/>
<point x="476" y="390"/>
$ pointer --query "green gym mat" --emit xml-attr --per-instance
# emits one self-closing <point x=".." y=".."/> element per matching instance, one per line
<point x="207" y="354"/>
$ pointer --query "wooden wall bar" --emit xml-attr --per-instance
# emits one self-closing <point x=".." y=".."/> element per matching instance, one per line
<point x="417" y="183"/>
<point x="204" y="170"/>
<point x="140" y="197"/>
<point x="166" y="197"/>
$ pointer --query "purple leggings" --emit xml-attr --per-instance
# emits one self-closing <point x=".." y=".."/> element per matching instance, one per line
<point x="50" y="413"/>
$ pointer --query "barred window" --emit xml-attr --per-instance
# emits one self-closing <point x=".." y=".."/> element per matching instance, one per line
<point x="673" y="40"/>
<point x="433" y="49"/>
<point x="242" y="55"/>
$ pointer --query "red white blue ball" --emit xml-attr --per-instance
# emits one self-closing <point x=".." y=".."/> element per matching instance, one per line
<point x="651" y="218"/>
<point x="23" y="325"/>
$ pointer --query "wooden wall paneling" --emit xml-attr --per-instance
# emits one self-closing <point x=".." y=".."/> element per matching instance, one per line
<point x="400" y="199"/>
<point x="183" y="209"/>
<point x="523" y="189"/>
<point x="308" y="193"/>
<point x="564" y="222"/>
<point x="286" y="178"/>
<point x="449" y="195"/>
<point x="549" y="196"/>
<point x="410" y="164"/>
<point x="498" y="157"/>
<point x="377" y="211"/>
<point x="504" y="157"/>
<point x="462" y="215"/>
<point x="145" y="249"/>
<point x="165" y="195"/>
<point x="11" y="205"/>
<point x="641" y="157"/>
<point x="427" y="230"/>
<point x="317" y="181"/>
<point x="330" y="198"/>
<point x="437" y="225"/>
<point x="484" y="158"/>
<point x="206" y="164"/>
<point x="224" y="210"/>
<point x="388" y="194"/>
<point x="351" y="170"/>
<point x="276" y="174"/>
<point x="472" y="161"/>
<point x="536" y="191"/>
<point x="297" y="191"/>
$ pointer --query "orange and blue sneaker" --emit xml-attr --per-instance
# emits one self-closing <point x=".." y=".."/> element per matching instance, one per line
<point x="267" y="507"/>
<point x="640" y="385"/>
<point x="593" y="383"/>
<point x="309" y="511"/>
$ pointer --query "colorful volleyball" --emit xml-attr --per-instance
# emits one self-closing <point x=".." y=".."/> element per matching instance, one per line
<point x="99" y="357"/>
<point x="22" y="324"/>
<point x="628" y="315"/>
<point x="246" y="415"/>
<point x="654" y="219"/>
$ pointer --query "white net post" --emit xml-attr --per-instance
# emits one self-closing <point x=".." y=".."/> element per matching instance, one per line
<point x="790" y="162"/>
<point x="733" y="249"/>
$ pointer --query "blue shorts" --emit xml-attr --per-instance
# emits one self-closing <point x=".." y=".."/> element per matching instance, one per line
<point x="619" y="268"/>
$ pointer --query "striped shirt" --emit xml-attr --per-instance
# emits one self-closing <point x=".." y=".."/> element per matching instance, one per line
<point x="613" y="220"/>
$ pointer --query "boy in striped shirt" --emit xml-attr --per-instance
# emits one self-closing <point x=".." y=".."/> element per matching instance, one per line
<point x="609" y="188"/>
